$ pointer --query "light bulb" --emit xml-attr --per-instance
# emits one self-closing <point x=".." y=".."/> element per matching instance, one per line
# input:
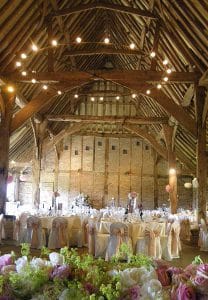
<point x="59" y="92"/>
<point x="117" y="97"/>
<point x="153" y="54"/>
<point x="148" y="92"/>
<point x="33" y="80"/>
<point x="18" y="64"/>
<point x="45" y="87"/>
<point x="172" y="171"/>
<point x="92" y="99"/>
<point x="101" y="98"/>
<point x="165" y="78"/>
<point x="133" y="96"/>
<point x="24" y="73"/>
<point x="78" y="39"/>
<point x="169" y="71"/>
<point x="165" y="62"/>
<point x="23" y="56"/>
<point x="159" y="86"/>
<point x="106" y="40"/>
<point x="12" y="162"/>
<point x="10" y="89"/>
<point x="132" y="46"/>
<point x="54" y="43"/>
<point x="76" y="96"/>
<point x="34" y="48"/>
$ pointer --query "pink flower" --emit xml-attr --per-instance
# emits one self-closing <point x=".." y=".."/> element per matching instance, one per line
<point x="163" y="276"/>
<point x="61" y="272"/>
<point x="5" y="260"/>
<point x="190" y="270"/>
<point x="185" y="292"/>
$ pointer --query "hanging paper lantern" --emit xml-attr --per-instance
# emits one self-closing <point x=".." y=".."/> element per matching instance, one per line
<point x="195" y="183"/>
<point x="9" y="179"/>
<point x="168" y="188"/>
<point x="188" y="185"/>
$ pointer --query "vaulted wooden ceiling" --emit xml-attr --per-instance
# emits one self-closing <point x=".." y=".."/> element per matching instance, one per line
<point x="175" y="30"/>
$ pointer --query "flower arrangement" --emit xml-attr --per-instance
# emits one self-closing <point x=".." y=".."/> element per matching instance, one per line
<point x="67" y="275"/>
<point x="132" y="195"/>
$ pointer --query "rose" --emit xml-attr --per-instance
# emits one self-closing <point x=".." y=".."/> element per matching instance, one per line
<point x="185" y="292"/>
<point x="163" y="276"/>
<point x="5" y="260"/>
<point x="61" y="272"/>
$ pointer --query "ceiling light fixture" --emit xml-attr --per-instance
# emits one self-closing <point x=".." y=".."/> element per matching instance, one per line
<point x="153" y="54"/>
<point x="18" y="64"/>
<point x="10" y="89"/>
<point x="132" y="46"/>
<point x="117" y="97"/>
<point x="165" y="62"/>
<point x="24" y="73"/>
<point x="168" y="71"/>
<point x="106" y="40"/>
<point x="165" y="78"/>
<point x="148" y="92"/>
<point x="101" y="98"/>
<point x="45" y="87"/>
<point x="92" y="99"/>
<point x="23" y="56"/>
<point x="34" y="80"/>
<point x="54" y="43"/>
<point x="76" y="96"/>
<point x="34" y="48"/>
<point x="78" y="39"/>
<point x="133" y="96"/>
<point x="159" y="86"/>
<point x="59" y="92"/>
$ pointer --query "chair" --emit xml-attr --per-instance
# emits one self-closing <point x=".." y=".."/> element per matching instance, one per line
<point x="203" y="236"/>
<point x="118" y="235"/>
<point x="75" y="231"/>
<point x="153" y="242"/>
<point x="139" y="239"/>
<point x="2" y="231"/>
<point x="171" y="241"/>
<point x="20" y="228"/>
<point x="35" y="235"/>
<point x="58" y="235"/>
<point x="185" y="232"/>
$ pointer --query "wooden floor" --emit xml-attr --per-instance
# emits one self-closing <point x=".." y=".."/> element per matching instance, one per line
<point x="187" y="255"/>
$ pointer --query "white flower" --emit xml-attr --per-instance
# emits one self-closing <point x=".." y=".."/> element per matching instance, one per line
<point x="56" y="258"/>
<point x="38" y="263"/>
<point x="152" y="290"/>
<point x="21" y="263"/>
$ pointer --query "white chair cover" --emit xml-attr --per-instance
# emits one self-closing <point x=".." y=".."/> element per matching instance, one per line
<point x="185" y="232"/>
<point x="118" y="235"/>
<point x="35" y="235"/>
<point x="75" y="231"/>
<point x="203" y="236"/>
<point x="20" y="228"/>
<point x="153" y="242"/>
<point x="171" y="241"/>
<point x="58" y="237"/>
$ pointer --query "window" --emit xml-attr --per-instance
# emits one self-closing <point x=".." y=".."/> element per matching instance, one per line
<point x="99" y="143"/>
<point x="66" y="147"/>
<point x="138" y="143"/>
<point x="113" y="147"/>
<point x="125" y="151"/>
<point x="146" y="147"/>
<point x="87" y="148"/>
<point x="76" y="152"/>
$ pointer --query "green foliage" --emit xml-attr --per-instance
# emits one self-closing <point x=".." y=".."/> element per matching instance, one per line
<point x="27" y="283"/>
<point x="25" y="249"/>
<point x="1" y="284"/>
<point x="44" y="252"/>
<point x="197" y="260"/>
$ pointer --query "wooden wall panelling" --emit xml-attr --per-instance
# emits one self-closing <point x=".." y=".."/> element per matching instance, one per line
<point x="124" y="155"/>
<point x="113" y="187"/>
<point x="124" y="188"/>
<point x="87" y="183"/>
<point x="74" y="186"/>
<point x="113" y="155"/>
<point x="48" y="162"/>
<point x="65" y="155"/>
<point x="76" y="152"/>
<point x="136" y="156"/>
<point x="148" y="192"/>
<point x="100" y="109"/>
<point x="148" y="159"/>
<point x="25" y="192"/>
<point x="98" y="189"/>
<point x="63" y="188"/>
<point x="100" y="144"/>
<point x="88" y="153"/>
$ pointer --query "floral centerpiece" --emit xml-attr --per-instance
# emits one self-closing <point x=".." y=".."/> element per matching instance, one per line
<point x="67" y="275"/>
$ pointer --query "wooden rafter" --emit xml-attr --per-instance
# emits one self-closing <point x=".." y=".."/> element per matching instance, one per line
<point x="133" y="76"/>
<point x="106" y="6"/>
<point x="102" y="50"/>
<point x="107" y="119"/>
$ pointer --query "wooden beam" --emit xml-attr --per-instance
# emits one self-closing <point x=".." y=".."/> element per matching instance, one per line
<point x="102" y="50"/>
<point x="2" y="107"/>
<point x="201" y="152"/>
<point x="133" y="76"/>
<point x="107" y="119"/>
<point x="149" y="137"/>
<point x="188" y="96"/>
<point x="204" y="79"/>
<point x="106" y="6"/>
<point x="155" y="46"/>
<point x="50" y="50"/>
<point x="37" y="103"/>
